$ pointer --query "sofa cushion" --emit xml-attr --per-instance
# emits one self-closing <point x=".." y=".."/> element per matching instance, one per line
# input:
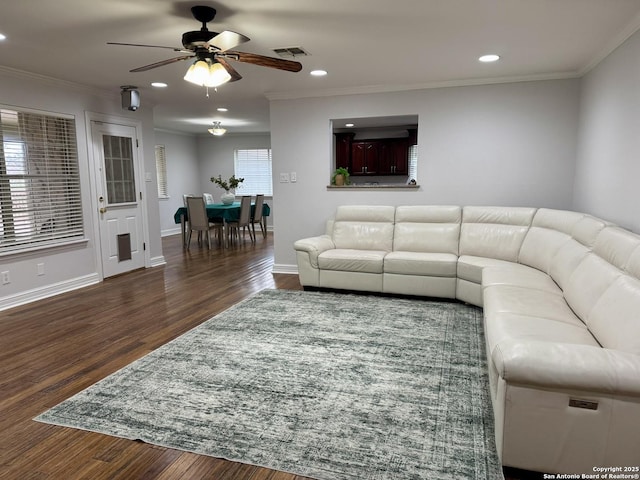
<point x="494" y="232"/>
<point x="427" y="228"/>
<point x="364" y="261"/>
<point x="470" y="267"/>
<point x="614" y="318"/>
<point x="518" y="275"/>
<point x="563" y="221"/>
<point x="616" y="245"/>
<point x="525" y="301"/>
<point x="507" y="327"/>
<point x="540" y="246"/>
<point x="418" y="263"/>
<point x="566" y="260"/>
<point x="587" y="284"/>
<point x="364" y="227"/>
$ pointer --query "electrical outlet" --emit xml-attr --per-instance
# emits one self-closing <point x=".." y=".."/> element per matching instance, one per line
<point x="6" y="279"/>
<point x="284" y="178"/>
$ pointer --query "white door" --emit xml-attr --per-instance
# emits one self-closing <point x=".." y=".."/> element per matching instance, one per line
<point x="119" y="197"/>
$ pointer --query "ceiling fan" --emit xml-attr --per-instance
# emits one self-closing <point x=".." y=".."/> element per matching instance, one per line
<point x="211" y="51"/>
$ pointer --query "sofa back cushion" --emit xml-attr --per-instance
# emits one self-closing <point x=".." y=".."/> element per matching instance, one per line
<point x="616" y="245"/>
<point x="494" y="232"/>
<point x="613" y="321"/>
<point x="364" y="227"/>
<point x="591" y="278"/>
<point x="570" y="254"/>
<point x="427" y="228"/>
<point x="549" y="231"/>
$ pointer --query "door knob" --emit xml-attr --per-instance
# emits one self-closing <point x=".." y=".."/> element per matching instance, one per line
<point x="103" y="210"/>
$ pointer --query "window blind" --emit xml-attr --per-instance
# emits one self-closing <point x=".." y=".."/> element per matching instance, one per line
<point x="161" y="172"/>
<point x="413" y="162"/>
<point x="40" y="198"/>
<point x="254" y="165"/>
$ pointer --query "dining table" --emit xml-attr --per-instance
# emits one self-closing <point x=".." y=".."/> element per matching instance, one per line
<point x="217" y="211"/>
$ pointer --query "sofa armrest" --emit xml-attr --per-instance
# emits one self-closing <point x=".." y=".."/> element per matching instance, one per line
<point x="568" y="367"/>
<point x="314" y="246"/>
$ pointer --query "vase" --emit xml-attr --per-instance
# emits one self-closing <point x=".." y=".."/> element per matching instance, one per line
<point x="339" y="180"/>
<point x="228" y="198"/>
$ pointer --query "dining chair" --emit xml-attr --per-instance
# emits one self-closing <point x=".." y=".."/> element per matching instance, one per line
<point x="244" y="221"/>
<point x="198" y="221"/>
<point x="257" y="216"/>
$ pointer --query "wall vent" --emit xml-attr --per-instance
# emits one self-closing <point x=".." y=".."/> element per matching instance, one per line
<point x="287" y="52"/>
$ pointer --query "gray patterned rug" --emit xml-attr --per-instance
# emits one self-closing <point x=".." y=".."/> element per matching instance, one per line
<point x="324" y="385"/>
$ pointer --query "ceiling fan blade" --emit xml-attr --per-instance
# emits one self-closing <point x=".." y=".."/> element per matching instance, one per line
<point x="175" y="49"/>
<point x="227" y="39"/>
<point x="279" y="63"/>
<point x="162" y="63"/>
<point x="235" y="76"/>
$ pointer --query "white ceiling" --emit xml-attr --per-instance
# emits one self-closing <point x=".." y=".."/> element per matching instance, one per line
<point x="365" y="45"/>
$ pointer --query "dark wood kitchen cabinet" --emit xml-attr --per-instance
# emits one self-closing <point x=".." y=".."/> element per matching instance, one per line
<point x="364" y="158"/>
<point x="384" y="156"/>
<point x="393" y="158"/>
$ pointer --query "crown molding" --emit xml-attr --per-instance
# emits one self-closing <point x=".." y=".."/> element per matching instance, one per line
<point x="57" y="82"/>
<point x="367" y="89"/>
<point x="623" y="36"/>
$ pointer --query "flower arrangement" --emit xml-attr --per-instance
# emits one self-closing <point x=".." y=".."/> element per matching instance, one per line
<point x="227" y="185"/>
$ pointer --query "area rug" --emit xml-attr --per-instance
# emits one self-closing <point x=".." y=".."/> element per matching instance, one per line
<point x="326" y="385"/>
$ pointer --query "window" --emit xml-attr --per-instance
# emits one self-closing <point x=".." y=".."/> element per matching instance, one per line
<point x="161" y="172"/>
<point x="413" y="162"/>
<point x="40" y="202"/>
<point x="254" y="165"/>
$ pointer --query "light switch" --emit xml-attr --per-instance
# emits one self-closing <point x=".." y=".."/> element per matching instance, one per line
<point x="294" y="177"/>
<point x="284" y="178"/>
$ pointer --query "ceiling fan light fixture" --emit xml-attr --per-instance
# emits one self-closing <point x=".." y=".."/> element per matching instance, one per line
<point x="197" y="73"/>
<point x="217" y="130"/>
<point x="207" y="75"/>
<point x="217" y="75"/>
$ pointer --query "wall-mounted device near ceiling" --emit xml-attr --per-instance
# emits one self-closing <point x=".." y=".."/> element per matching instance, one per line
<point x="130" y="97"/>
<point x="210" y="53"/>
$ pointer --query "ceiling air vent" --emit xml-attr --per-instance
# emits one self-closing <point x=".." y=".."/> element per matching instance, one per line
<point x="287" y="52"/>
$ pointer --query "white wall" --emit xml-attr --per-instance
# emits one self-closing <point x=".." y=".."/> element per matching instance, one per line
<point x="505" y="144"/>
<point x="216" y="157"/>
<point x="608" y="165"/>
<point x="192" y="160"/>
<point x="183" y="175"/>
<point x="72" y="266"/>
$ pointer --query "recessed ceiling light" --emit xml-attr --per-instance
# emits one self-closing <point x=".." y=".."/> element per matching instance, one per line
<point x="489" y="58"/>
<point x="318" y="73"/>
<point x="349" y="125"/>
<point x="222" y="109"/>
<point x="2" y="37"/>
<point x="159" y="84"/>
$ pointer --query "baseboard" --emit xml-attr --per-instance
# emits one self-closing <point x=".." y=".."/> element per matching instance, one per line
<point x="282" y="268"/>
<point x="157" y="261"/>
<point x="170" y="231"/>
<point x="48" y="291"/>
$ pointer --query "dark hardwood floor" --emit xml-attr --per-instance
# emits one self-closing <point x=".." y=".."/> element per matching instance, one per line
<point x="53" y="348"/>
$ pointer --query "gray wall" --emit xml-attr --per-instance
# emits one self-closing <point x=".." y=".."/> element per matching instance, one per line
<point x="192" y="160"/>
<point x="183" y="176"/>
<point x="73" y="266"/>
<point x="608" y="165"/>
<point x="506" y="144"/>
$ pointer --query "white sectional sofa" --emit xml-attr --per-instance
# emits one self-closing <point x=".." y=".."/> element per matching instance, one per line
<point x="561" y="297"/>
